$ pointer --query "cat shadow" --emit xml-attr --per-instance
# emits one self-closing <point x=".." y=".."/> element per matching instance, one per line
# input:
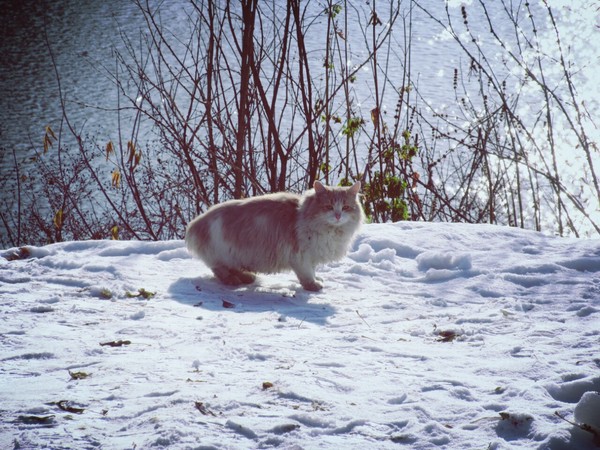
<point x="289" y="299"/>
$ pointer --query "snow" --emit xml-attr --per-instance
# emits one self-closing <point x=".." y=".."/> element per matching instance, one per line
<point x="425" y="336"/>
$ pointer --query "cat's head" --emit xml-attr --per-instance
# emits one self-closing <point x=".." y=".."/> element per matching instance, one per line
<point x="336" y="206"/>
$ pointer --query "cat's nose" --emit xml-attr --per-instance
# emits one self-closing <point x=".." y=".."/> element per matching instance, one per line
<point x="338" y="215"/>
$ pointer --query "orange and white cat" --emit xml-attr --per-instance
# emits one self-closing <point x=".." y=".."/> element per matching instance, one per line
<point x="276" y="232"/>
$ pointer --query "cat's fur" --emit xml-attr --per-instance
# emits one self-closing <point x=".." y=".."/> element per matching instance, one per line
<point x="277" y="232"/>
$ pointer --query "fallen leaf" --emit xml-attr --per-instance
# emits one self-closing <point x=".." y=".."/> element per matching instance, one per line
<point x="115" y="343"/>
<point x="267" y="385"/>
<point x="64" y="406"/>
<point x="227" y="304"/>
<point x="78" y="375"/>
<point x="20" y="253"/>
<point x="141" y="293"/>
<point x="447" y="336"/>
<point x="203" y="409"/>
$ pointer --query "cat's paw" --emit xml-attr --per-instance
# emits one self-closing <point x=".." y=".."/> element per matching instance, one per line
<point x="314" y="285"/>
<point x="243" y="276"/>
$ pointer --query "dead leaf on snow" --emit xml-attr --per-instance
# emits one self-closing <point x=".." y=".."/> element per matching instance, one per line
<point x="78" y="375"/>
<point x="227" y="304"/>
<point x="447" y="336"/>
<point x="64" y="405"/>
<point x="115" y="343"/>
<point x="203" y="409"/>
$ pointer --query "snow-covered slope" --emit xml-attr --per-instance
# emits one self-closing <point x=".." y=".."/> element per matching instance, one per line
<point x="425" y="336"/>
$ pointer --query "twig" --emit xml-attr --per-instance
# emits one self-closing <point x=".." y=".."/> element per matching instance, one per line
<point x="363" y="319"/>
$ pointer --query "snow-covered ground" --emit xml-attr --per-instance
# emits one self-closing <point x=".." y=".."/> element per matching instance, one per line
<point x="426" y="336"/>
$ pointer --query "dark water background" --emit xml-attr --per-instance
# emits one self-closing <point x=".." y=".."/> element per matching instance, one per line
<point x="82" y="34"/>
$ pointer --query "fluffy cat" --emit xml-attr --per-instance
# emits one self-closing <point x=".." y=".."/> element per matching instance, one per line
<point x="276" y="232"/>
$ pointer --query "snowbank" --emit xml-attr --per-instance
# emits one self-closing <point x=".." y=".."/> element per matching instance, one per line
<point x="425" y="336"/>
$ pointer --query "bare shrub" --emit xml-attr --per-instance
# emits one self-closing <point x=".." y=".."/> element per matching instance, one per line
<point x="261" y="97"/>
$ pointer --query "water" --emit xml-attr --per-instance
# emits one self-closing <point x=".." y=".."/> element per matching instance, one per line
<point x="83" y="37"/>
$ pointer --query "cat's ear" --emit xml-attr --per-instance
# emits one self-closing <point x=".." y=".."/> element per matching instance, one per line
<point x="355" y="188"/>
<point x="319" y="187"/>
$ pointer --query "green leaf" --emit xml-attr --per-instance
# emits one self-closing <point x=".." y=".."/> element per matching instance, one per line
<point x="65" y="405"/>
<point x="352" y="126"/>
<point x="334" y="10"/>
<point x="141" y="293"/>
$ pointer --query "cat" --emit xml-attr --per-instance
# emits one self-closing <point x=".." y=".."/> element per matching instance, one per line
<point x="277" y="232"/>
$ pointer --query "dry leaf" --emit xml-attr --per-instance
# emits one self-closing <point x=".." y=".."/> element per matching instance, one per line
<point x="203" y="409"/>
<point x="64" y="406"/>
<point x="115" y="343"/>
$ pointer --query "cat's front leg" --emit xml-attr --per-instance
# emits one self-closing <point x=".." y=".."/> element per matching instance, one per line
<point x="307" y="278"/>
<point x="314" y="285"/>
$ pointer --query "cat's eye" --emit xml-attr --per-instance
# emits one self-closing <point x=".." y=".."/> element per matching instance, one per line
<point x="347" y="208"/>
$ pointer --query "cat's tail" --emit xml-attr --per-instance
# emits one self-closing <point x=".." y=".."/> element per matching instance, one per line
<point x="197" y="235"/>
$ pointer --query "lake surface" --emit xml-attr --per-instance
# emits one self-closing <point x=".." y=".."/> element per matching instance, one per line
<point x="81" y="34"/>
